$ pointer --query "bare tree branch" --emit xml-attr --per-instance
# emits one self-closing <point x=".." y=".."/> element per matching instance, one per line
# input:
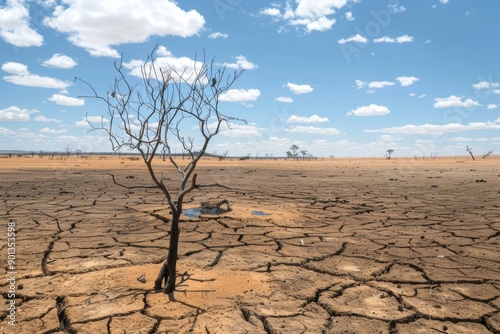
<point x="168" y="108"/>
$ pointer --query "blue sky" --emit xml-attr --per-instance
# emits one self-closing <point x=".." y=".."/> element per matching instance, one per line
<point x="334" y="77"/>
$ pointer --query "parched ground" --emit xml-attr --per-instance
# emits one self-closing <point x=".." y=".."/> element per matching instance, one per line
<point x="347" y="246"/>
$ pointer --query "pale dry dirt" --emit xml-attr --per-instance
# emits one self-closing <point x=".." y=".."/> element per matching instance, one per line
<point x="348" y="246"/>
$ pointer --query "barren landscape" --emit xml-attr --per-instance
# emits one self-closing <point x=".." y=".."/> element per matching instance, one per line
<point x="338" y="246"/>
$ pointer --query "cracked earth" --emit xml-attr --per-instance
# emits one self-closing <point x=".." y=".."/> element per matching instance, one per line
<point x="345" y="247"/>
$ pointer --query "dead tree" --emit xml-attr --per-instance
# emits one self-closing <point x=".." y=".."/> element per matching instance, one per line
<point x="469" y="149"/>
<point x="162" y="110"/>
<point x="487" y="154"/>
<point x="388" y="154"/>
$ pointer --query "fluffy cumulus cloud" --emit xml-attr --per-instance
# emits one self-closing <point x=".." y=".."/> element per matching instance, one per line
<point x="241" y="64"/>
<point x="64" y="100"/>
<point x="60" y="61"/>
<point x="15" y="114"/>
<point x="355" y="38"/>
<point x="310" y="15"/>
<point x="21" y="76"/>
<point x="240" y="95"/>
<point x="407" y="81"/>
<point x="434" y="129"/>
<point x="177" y="66"/>
<point x="454" y="102"/>
<point x="97" y="26"/>
<point x="371" y="110"/>
<point x="311" y="119"/>
<point x="314" y="130"/>
<point x="15" y="68"/>
<point x="15" y="26"/>
<point x="485" y="85"/>
<point x="299" y="89"/>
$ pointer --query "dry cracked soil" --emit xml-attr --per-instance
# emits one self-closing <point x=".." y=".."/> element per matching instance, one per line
<point x="344" y="246"/>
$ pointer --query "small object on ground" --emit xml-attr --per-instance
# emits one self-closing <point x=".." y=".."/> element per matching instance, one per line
<point x="142" y="278"/>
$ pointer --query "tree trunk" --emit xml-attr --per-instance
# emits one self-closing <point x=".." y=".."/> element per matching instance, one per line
<point x="168" y="271"/>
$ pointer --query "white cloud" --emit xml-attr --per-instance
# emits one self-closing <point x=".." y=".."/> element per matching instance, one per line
<point x="355" y="38"/>
<point x="433" y="129"/>
<point x="237" y="130"/>
<point x="216" y="35"/>
<point x="315" y="8"/>
<point x="311" y="119"/>
<point x="485" y="85"/>
<point x="33" y="80"/>
<point x="492" y="106"/>
<point x="15" y="68"/>
<point x="240" y="95"/>
<point x="444" y="2"/>
<point x="299" y="89"/>
<point x="60" y="61"/>
<point x="380" y="84"/>
<point x="46" y="120"/>
<point x="53" y="131"/>
<point x="421" y="96"/>
<point x="407" y="81"/>
<point x="15" y="114"/>
<point x="271" y="12"/>
<point x="314" y="130"/>
<point x="284" y="99"/>
<point x="14" y="25"/>
<point x="320" y="24"/>
<point x="310" y="15"/>
<point x="182" y="66"/>
<point x="412" y="94"/>
<point x="105" y="25"/>
<point x="349" y="16"/>
<point x="396" y="8"/>
<point x="401" y="39"/>
<point x="5" y="131"/>
<point x="21" y="76"/>
<point x="404" y="39"/>
<point x="360" y="84"/>
<point x="64" y="100"/>
<point x="84" y="122"/>
<point x="241" y="63"/>
<point x="371" y="110"/>
<point x="454" y="101"/>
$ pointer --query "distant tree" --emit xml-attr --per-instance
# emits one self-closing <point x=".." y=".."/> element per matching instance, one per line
<point x="469" y="149"/>
<point x="289" y="154"/>
<point x="487" y="154"/>
<point x="67" y="151"/>
<point x="160" y="110"/>
<point x="304" y="153"/>
<point x="223" y="155"/>
<point x="294" y="149"/>
<point x="389" y="153"/>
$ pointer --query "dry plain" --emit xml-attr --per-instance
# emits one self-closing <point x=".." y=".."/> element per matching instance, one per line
<point x="345" y="246"/>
